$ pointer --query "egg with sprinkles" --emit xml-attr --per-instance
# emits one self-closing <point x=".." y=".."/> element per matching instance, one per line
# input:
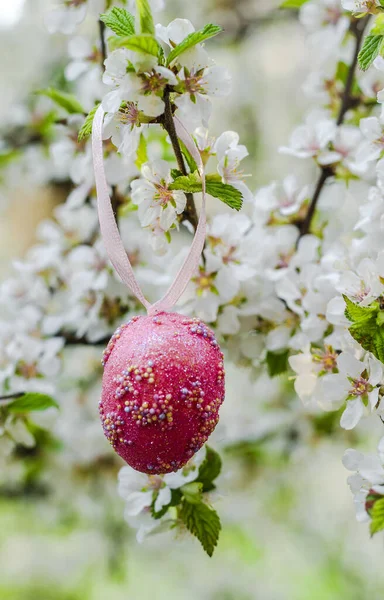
<point x="163" y="385"/>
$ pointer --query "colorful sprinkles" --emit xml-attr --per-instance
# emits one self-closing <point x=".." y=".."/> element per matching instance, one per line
<point x="160" y="392"/>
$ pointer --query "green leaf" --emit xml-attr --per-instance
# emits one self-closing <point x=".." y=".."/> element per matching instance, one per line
<point x="175" y="500"/>
<point x="141" y="154"/>
<point x="378" y="344"/>
<point x="120" y="21"/>
<point x="192" y="39"/>
<point x="377" y="514"/>
<point x="7" y="157"/>
<point x="192" y="492"/>
<point x="175" y="173"/>
<point x="138" y="43"/>
<point x="209" y="469"/>
<point x="367" y="326"/>
<point x="224" y="192"/>
<point x="277" y="362"/>
<point x="144" y="17"/>
<point x="86" y="128"/>
<point x="188" y="183"/>
<point x="378" y="25"/>
<point x="359" y="314"/>
<point x="293" y="3"/>
<point x="369" y="51"/>
<point x="363" y="318"/>
<point x="31" y="402"/>
<point x="188" y="157"/>
<point x="342" y="72"/>
<point x="63" y="99"/>
<point x="203" y="522"/>
<point x="214" y="186"/>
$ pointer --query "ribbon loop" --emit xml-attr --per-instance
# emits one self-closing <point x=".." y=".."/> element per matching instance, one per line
<point x="111" y="235"/>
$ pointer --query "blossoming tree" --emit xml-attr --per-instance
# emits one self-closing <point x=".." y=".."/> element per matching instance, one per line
<point x="292" y="275"/>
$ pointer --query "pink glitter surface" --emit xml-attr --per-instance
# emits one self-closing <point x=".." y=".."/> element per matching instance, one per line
<point x="163" y="385"/>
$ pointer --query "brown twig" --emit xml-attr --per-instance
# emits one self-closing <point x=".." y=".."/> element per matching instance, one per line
<point x="190" y="213"/>
<point x="357" y="29"/>
<point x="72" y="340"/>
<point x="11" y="396"/>
<point x="102" y="43"/>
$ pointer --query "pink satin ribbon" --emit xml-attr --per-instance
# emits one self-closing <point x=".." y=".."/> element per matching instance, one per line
<point x="111" y="235"/>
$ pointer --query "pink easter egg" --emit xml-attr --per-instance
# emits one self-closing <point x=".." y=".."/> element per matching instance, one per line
<point x="163" y="385"/>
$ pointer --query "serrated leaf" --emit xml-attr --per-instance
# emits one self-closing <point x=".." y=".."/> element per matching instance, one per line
<point x="175" y="173"/>
<point x="192" y="39"/>
<point x="214" y="187"/>
<point x="377" y="514"/>
<point x="203" y="522"/>
<point x="277" y="362"/>
<point x="32" y="401"/>
<point x="209" y="469"/>
<point x="120" y="21"/>
<point x="67" y="101"/>
<point x="138" y="43"/>
<point x="370" y="50"/>
<point x="192" y="492"/>
<point x="359" y="314"/>
<point x="293" y="3"/>
<point x="228" y="194"/>
<point x="367" y="328"/>
<point x="141" y="153"/>
<point x="86" y="128"/>
<point x="378" y="343"/>
<point x="188" y="183"/>
<point x="144" y="17"/>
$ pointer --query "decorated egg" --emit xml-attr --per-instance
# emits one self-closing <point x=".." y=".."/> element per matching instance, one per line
<point x="163" y="385"/>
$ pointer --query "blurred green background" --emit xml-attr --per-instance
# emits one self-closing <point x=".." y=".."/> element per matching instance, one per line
<point x="289" y="531"/>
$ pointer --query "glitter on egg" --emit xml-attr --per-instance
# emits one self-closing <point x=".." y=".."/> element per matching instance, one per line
<point x="161" y="392"/>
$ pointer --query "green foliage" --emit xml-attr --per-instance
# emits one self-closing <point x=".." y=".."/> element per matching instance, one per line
<point x="142" y="156"/>
<point x="144" y="17"/>
<point x="66" y="101"/>
<point x="367" y="326"/>
<point x="293" y="3"/>
<point x="7" y="157"/>
<point x="192" y="39"/>
<point x="224" y="192"/>
<point x="193" y="492"/>
<point x="120" y="21"/>
<point x="86" y="128"/>
<point x="377" y="514"/>
<point x="188" y="183"/>
<point x="188" y="157"/>
<point x="209" y="469"/>
<point x="214" y="186"/>
<point x="203" y="522"/>
<point x="359" y="314"/>
<point x="371" y="48"/>
<point x="277" y="362"/>
<point x="31" y="402"/>
<point x="342" y="72"/>
<point x="138" y="43"/>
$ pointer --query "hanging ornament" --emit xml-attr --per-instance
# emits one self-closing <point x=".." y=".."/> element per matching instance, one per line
<point x="163" y="381"/>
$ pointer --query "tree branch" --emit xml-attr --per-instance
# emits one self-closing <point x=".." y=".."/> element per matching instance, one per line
<point x="190" y="213"/>
<point x="72" y="340"/>
<point x="357" y="29"/>
<point x="11" y="396"/>
<point x="102" y="43"/>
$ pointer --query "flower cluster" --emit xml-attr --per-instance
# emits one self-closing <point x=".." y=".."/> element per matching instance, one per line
<point x="295" y="281"/>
